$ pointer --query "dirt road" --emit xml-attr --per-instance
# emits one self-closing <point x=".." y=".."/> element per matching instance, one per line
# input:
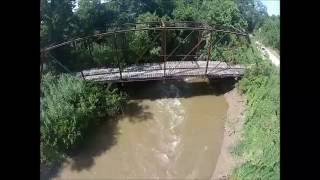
<point x="272" y="55"/>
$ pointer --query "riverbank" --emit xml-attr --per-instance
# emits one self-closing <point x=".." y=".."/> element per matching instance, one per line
<point x="260" y="142"/>
<point x="232" y="134"/>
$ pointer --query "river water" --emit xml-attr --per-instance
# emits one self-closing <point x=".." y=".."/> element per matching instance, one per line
<point x="170" y="130"/>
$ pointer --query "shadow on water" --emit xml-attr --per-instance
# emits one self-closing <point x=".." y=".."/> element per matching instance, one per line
<point x="137" y="112"/>
<point x="47" y="173"/>
<point x="222" y="86"/>
<point x="105" y="136"/>
<point x="99" y="141"/>
<point x="153" y="90"/>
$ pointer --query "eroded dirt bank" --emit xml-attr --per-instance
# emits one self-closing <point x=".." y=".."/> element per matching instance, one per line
<point x="232" y="134"/>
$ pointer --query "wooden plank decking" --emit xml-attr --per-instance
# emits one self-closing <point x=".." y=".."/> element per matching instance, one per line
<point x="155" y="71"/>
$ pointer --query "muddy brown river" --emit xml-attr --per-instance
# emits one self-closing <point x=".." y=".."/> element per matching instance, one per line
<point x="171" y="130"/>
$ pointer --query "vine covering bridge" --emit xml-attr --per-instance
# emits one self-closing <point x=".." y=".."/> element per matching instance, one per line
<point x="189" y="56"/>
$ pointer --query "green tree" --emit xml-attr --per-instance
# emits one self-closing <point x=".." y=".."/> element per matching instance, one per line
<point x="94" y="16"/>
<point x="222" y="12"/>
<point x="186" y="10"/>
<point x="164" y="7"/>
<point x="58" y="22"/>
<point x="253" y="11"/>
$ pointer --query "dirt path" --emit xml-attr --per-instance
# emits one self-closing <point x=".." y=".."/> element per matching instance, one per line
<point x="232" y="133"/>
<point x="273" y="56"/>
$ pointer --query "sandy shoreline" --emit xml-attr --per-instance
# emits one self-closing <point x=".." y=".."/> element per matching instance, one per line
<point x="232" y="133"/>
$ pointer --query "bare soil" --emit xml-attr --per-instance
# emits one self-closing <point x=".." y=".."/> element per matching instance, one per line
<point x="227" y="162"/>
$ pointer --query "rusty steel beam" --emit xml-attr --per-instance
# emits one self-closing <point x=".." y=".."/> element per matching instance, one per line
<point x="82" y="75"/>
<point x="185" y="56"/>
<point x="176" y="48"/>
<point x="90" y="49"/>
<point x="74" y="45"/>
<point x="199" y="39"/>
<point x="209" y="50"/>
<point x="60" y="64"/>
<point x="165" y="51"/>
<point x="161" y="50"/>
<point x="42" y="56"/>
<point x="164" y="47"/>
<point x="41" y="69"/>
<point x="192" y="49"/>
<point x="178" y="55"/>
<point x="158" y="22"/>
<point x="209" y="53"/>
<point x="117" y="58"/>
<point x="124" y="44"/>
<point x="144" y="29"/>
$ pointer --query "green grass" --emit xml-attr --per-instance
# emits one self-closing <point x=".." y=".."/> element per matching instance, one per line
<point x="260" y="146"/>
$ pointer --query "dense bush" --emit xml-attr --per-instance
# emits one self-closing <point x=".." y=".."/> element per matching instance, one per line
<point x="69" y="107"/>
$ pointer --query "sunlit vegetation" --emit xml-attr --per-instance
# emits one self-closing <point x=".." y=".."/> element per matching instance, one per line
<point x="69" y="108"/>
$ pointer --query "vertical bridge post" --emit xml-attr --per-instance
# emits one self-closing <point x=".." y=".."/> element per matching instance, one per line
<point x="89" y="44"/>
<point x="41" y="68"/>
<point x="209" y="53"/>
<point x="82" y="75"/>
<point x="163" y="46"/>
<point x="42" y="59"/>
<point x="199" y="39"/>
<point x="115" y="48"/>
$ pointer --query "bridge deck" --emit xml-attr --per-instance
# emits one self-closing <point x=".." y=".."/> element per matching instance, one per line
<point x="155" y="71"/>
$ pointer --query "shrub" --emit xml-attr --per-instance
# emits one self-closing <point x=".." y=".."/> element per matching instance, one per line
<point x="69" y="107"/>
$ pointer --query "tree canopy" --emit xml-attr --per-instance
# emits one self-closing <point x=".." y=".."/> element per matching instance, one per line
<point x="60" y="20"/>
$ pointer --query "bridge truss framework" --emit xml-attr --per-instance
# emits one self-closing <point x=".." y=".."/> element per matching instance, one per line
<point x="204" y="32"/>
